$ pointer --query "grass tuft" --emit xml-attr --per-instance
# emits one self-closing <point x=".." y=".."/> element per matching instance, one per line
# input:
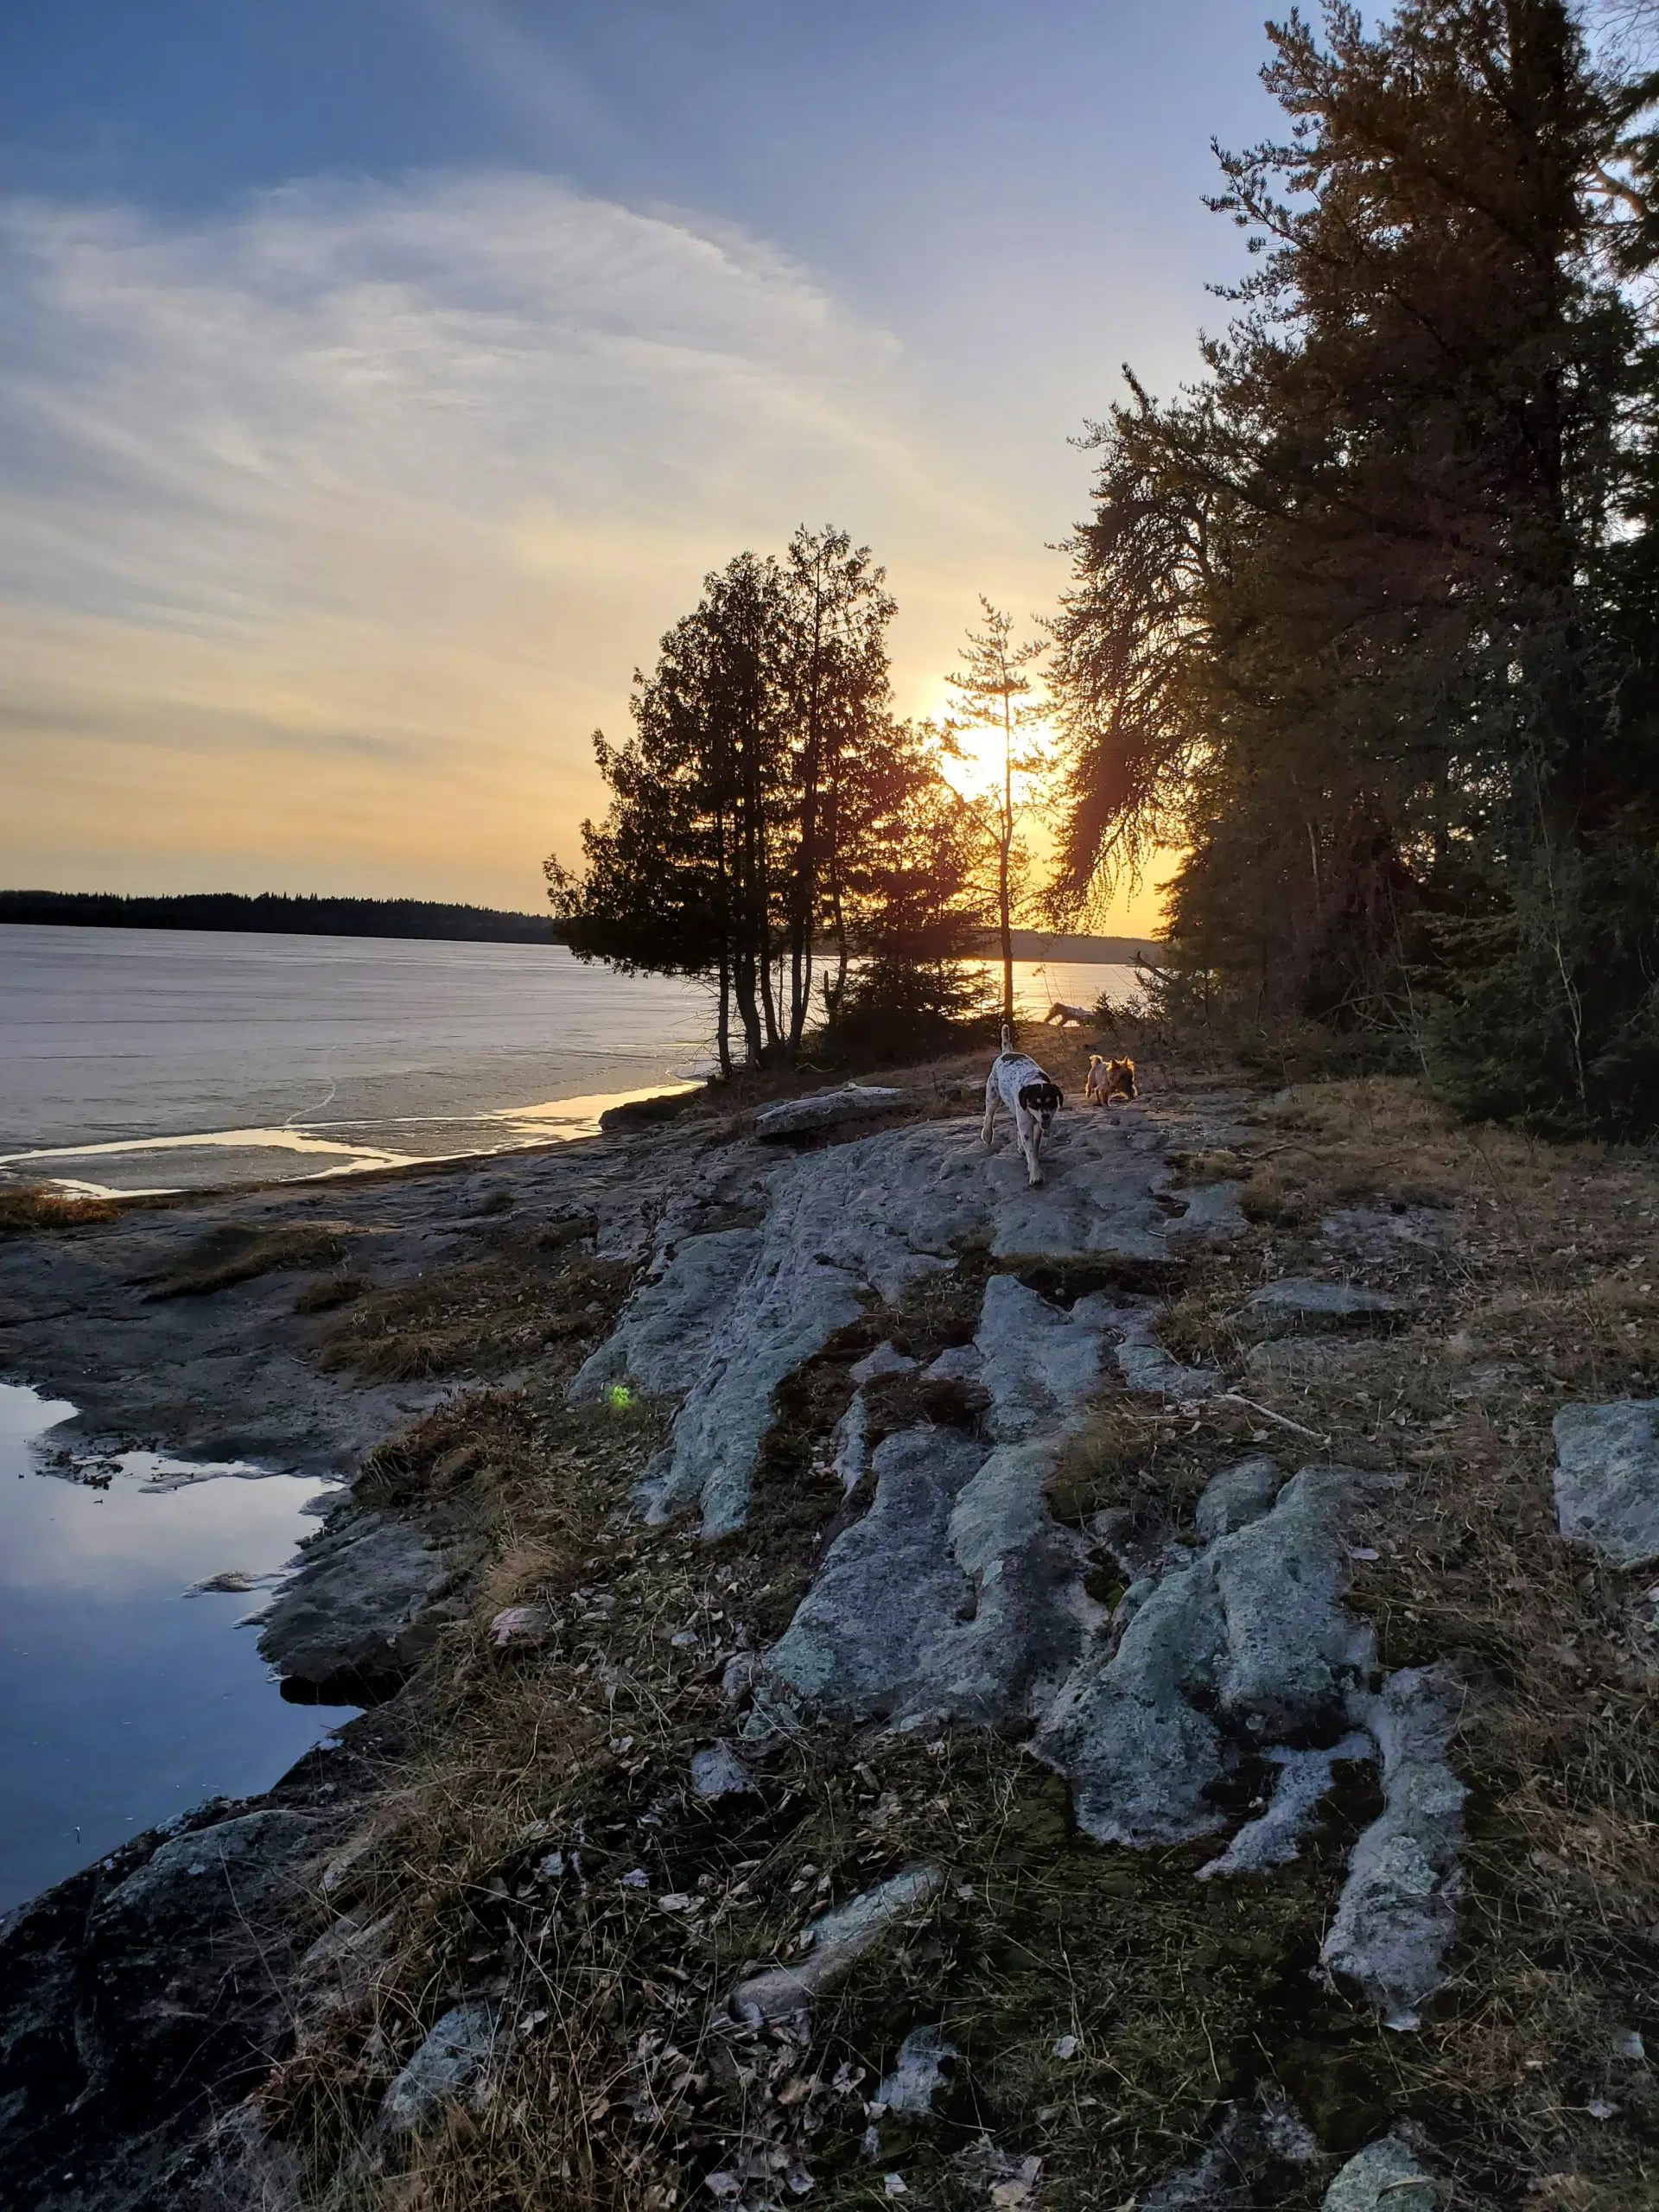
<point x="33" y="1209"/>
<point x="530" y="1299"/>
<point x="237" y="1254"/>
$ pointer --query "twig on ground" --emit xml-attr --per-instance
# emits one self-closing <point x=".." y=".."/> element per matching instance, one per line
<point x="1283" y="1420"/>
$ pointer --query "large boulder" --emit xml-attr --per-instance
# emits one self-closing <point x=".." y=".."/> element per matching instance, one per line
<point x="1038" y="1361"/>
<point x="1294" y="1652"/>
<point x="662" y="1340"/>
<point x="140" y="2001"/>
<point x="1129" y="1731"/>
<point x="858" y="1226"/>
<point x="829" y="1109"/>
<point x="211" y="1874"/>
<point x="887" y="1587"/>
<point x="955" y="1593"/>
<point x="1247" y="1642"/>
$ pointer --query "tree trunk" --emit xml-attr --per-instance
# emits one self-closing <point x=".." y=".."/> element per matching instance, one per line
<point x="1004" y="912"/>
<point x="768" y="1001"/>
<point x="723" y="1019"/>
<point x="748" y="1013"/>
<point x="805" y="888"/>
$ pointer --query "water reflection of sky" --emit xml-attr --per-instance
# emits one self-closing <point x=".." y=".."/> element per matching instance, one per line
<point x="122" y="1700"/>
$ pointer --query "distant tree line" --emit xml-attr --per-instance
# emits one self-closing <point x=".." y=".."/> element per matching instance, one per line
<point x="774" y="828"/>
<point x="1367" y="619"/>
<point x="276" y="912"/>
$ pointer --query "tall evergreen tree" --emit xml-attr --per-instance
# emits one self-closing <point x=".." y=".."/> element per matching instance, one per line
<point x="835" y="672"/>
<point x="766" y="797"/>
<point x="994" y="691"/>
<point x="683" y="875"/>
<point x="1343" y="621"/>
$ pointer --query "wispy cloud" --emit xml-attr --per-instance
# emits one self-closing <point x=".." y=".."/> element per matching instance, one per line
<point x="329" y="529"/>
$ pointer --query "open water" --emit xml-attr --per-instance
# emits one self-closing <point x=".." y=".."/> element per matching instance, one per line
<point x="181" y="1059"/>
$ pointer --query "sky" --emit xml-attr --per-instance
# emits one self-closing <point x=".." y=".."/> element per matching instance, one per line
<point x="380" y="377"/>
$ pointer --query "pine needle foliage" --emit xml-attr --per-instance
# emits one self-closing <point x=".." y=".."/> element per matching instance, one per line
<point x="1363" y="620"/>
<point x="770" y="820"/>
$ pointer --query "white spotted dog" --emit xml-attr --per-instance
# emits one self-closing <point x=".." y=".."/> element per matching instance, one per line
<point x="1017" y="1083"/>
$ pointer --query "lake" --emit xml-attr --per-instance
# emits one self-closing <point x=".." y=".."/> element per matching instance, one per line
<point x="161" y="1060"/>
<point x="180" y="1059"/>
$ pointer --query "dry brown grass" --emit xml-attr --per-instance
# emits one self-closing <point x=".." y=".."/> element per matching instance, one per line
<point x="1542" y="1295"/>
<point x="241" y="1252"/>
<point x="30" y="1208"/>
<point x="331" y="1293"/>
<point x="528" y="1299"/>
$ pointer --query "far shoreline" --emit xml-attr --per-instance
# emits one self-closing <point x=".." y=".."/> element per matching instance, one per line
<point x="431" y="921"/>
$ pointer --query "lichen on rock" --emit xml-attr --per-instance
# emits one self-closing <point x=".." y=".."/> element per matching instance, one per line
<point x="847" y="1229"/>
<point x="1311" y="1302"/>
<point x="1396" y="1916"/>
<point x="1245" y="1643"/>
<point x="446" y="2062"/>
<point x="835" y="1942"/>
<point x="1607" y="1479"/>
<point x="1387" y="2176"/>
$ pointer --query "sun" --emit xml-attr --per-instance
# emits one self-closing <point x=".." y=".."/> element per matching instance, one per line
<point x="979" y="768"/>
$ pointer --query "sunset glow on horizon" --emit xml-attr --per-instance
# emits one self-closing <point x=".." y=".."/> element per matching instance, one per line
<point x="350" y="466"/>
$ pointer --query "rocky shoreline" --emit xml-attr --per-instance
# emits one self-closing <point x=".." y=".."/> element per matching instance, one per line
<point x="949" y="1362"/>
<point x="142" y="1998"/>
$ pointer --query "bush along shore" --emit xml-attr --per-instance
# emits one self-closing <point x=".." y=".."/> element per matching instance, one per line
<point x="884" y="1683"/>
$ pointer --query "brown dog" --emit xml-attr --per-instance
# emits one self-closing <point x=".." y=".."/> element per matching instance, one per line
<point x="1110" y="1080"/>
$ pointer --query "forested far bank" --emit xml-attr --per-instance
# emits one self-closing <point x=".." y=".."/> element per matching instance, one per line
<point x="1080" y="950"/>
<point x="279" y="913"/>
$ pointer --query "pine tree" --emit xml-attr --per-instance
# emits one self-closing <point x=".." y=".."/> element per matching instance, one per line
<point x="766" y="796"/>
<point x="837" y="678"/>
<point x="1344" y="622"/>
<point x="994" y="691"/>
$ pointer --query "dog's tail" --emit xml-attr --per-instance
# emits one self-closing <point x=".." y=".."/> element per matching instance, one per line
<point x="1008" y="1037"/>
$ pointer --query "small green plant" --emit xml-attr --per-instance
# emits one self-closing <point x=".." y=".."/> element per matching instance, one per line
<point x="620" y="1397"/>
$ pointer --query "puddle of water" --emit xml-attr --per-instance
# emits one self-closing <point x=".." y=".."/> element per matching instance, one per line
<point x="125" y="1698"/>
